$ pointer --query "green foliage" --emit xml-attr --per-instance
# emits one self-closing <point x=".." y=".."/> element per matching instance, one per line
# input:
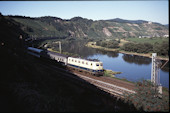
<point x="110" y="73"/>
<point x="145" y="45"/>
<point x="137" y="47"/>
<point x="108" y="44"/>
<point x="107" y="73"/>
<point x="147" y="40"/>
<point x="147" y="98"/>
<point x="162" y="49"/>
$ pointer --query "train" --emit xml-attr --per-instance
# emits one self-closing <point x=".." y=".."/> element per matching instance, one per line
<point x="91" y="66"/>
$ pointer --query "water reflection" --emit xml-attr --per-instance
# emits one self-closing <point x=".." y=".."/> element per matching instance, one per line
<point x="108" y="53"/>
<point x="136" y="59"/>
<point x="77" y="47"/>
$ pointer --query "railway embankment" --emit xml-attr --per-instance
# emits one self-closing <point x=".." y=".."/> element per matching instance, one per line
<point x="33" y="84"/>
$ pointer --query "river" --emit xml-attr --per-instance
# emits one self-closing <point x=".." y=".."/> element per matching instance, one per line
<point x="133" y="68"/>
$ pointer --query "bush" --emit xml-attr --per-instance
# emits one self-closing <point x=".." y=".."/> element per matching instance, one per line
<point x="162" y="49"/>
<point x="108" y="44"/>
<point x="139" y="48"/>
<point x="147" y="98"/>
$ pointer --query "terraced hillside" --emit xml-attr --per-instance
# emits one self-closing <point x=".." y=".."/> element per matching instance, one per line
<point x="84" y="28"/>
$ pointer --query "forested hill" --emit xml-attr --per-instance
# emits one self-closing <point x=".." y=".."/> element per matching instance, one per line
<point x="79" y="27"/>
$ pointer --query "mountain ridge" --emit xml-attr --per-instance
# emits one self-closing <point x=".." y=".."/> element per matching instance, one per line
<point x="79" y="27"/>
<point x="112" y="19"/>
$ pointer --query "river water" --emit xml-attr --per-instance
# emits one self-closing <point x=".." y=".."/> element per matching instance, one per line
<point x="133" y="68"/>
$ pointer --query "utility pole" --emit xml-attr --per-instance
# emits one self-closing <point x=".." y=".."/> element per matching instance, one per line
<point x="60" y="46"/>
<point x="153" y="70"/>
<point x="155" y="73"/>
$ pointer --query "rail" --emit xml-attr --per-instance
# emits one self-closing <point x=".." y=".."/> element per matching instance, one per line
<point x="107" y="87"/>
<point x="111" y="88"/>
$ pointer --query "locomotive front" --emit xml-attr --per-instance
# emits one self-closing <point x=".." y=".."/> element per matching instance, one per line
<point x="97" y="68"/>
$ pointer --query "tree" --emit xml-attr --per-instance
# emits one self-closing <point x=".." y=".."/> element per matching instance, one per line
<point x="138" y="47"/>
<point x="112" y="44"/>
<point x="104" y="44"/>
<point x="147" y="98"/>
<point x="162" y="49"/>
<point x="148" y="47"/>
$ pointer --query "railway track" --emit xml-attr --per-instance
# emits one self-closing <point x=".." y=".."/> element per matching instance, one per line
<point x="107" y="87"/>
<point x="110" y="88"/>
<point x="101" y="84"/>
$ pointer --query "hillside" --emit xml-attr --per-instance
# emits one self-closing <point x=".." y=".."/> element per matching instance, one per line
<point x="79" y="27"/>
<point x="28" y="84"/>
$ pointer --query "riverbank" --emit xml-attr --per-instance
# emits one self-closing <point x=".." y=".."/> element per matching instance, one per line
<point x="149" y="55"/>
<point x="110" y="73"/>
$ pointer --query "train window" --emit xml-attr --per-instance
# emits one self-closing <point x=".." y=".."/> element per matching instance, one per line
<point x="75" y="60"/>
<point x="72" y="60"/>
<point x="86" y="63"/>
<point x="101" y="64"/>
<point x="82" y="62"/>
<point x="79" y="61"/>
<point x="97" y="64"/>
<point x="91" y="64"/>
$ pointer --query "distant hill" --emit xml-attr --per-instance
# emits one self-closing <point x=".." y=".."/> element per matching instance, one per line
<point x="79" y="27"/>
<point x="167" y="25"/>
<point x="127" y="21"/>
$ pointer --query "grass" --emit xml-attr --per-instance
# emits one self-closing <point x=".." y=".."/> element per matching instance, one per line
<point x="122" y="42"/>
<point x="110" y="73"/>
<point x="93" y="45"/>
<point x="165" y="90"/>
<point x="147" y="40"/>
<point x="123" y="79"/>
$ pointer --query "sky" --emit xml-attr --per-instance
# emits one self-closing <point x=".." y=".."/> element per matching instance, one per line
<point x="154" y="11"/>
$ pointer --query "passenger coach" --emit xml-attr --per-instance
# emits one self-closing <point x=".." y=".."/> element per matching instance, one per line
<point x="58" y="57"/>
<point x="34" y="51"/>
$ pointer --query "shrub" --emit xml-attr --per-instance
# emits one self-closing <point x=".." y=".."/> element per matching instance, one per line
<point x="147" y="98"/>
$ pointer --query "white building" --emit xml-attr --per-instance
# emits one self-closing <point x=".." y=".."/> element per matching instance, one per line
<point x="166" y="36"/>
